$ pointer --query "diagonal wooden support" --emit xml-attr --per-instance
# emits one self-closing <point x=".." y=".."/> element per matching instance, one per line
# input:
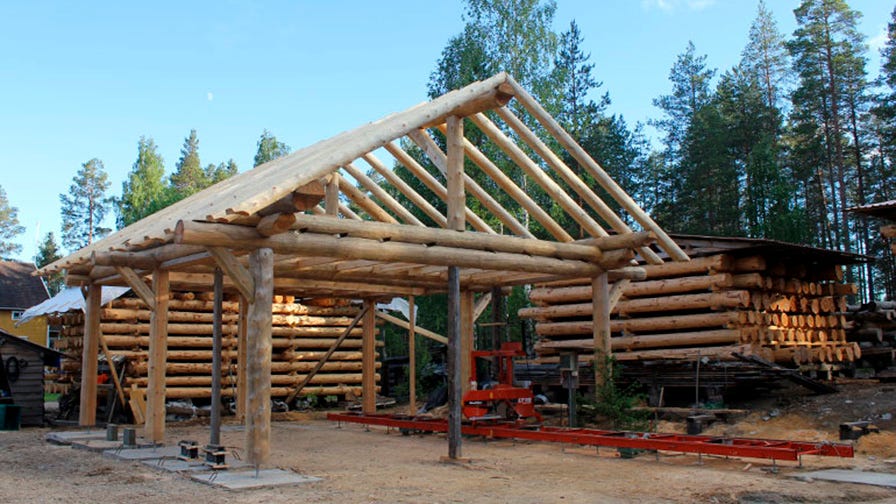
<point x="616" y="291"/>
<point x="138" y="286"/>
<point x="238" y="274"/>
<point x="481" y="304"/>
<point x="426" y="333"/>
<point x="323" y="360"/>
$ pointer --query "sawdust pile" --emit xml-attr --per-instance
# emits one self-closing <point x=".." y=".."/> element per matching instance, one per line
<point x="880" y="445"/>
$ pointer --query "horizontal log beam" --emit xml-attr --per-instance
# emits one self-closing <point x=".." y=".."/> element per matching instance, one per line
<point x="215" y="235"/>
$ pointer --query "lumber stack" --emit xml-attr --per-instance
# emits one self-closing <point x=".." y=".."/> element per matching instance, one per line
<point x="712" y="306"/>
<point x="873" y="327"/>
<point x="302" y="334"/>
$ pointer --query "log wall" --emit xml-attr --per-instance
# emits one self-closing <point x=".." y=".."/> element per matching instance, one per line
<point x="302" y="334"/>
<point x="711" y="306"/>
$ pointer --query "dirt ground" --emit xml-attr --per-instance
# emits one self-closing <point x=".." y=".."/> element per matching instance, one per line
<point x="358" y="465"/>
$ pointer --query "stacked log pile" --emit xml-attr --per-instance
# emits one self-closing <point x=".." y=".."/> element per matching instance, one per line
<point x="873" y="327"/>
<point x="302" y="334"/>
<point x="712" y="307"/>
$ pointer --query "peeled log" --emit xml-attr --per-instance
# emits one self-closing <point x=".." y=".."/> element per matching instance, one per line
<point x="552" y="295"/>
<point x="650" y="324"/>
<point x="624" y="343"/>
<point x="726" y="299"/>
<point x="206" y="392"/>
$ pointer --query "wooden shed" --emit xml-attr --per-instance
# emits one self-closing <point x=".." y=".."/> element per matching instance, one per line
<point x="24" y="363"/>
<point x="395" y="218"/>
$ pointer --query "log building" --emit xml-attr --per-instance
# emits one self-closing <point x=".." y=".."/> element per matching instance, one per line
<point x="335" y="220"/>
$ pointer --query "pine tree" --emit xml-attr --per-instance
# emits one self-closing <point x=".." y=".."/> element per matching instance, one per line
<point x="691" y="92"/>
<point x="49" y="252"/>
<point x="144" y="191"/>
<point x="765" y="57"/>
<point x="9" y="227"/>
<point x="219" y="172"/>
<point x="269" y="148"/>
<point x="85" y="206"/>
<point x="188" y="177"/>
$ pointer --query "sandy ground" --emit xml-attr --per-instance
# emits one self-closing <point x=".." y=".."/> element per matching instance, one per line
<point x="359" y="465"/>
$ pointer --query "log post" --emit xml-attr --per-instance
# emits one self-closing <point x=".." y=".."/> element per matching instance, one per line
<point x="242" y="329"/>
<point x="331" y="195"/>
<point x="154" y="429"/>
<point x="368" y="359"/>
<point x="215" y="437"/>
<point x="412" y="356"/>
<point x="602" y="350"/>
<point x="89" y="355"/>
<point x="258" y="352"/>
<point x="466" y="339"/>
<point x="456" y="203"/>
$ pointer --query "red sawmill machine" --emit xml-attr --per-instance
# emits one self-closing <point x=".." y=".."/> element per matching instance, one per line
<point x="506" y="410"/>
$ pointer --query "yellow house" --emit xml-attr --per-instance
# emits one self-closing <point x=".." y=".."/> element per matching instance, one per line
<point x="20" y="290"/>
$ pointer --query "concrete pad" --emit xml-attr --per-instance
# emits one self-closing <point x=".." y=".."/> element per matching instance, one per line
<point x="246" y="479"/>
<point x="848" y="476"/>
<point x="66" y="437"/>
<point x="176" y="465"/>
<point x="95" y="445"/>
<point x="143" y="453"/>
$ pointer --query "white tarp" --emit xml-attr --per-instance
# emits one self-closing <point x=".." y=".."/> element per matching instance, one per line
<point x="68" y="299"/>
<point x="399" y="305"/>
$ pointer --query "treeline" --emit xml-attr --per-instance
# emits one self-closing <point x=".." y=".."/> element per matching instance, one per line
<point x="146" y="190"/>
<point x="780" y="146"/>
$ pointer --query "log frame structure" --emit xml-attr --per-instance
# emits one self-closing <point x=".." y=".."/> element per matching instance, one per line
<point x="312" y="224"/>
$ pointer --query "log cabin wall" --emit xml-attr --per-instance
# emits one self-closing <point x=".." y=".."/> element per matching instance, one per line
<point x="713" y="306"/>
<point x="302" y="333"/>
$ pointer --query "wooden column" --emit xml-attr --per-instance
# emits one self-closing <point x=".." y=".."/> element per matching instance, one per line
<point x="600" y="298"/>
<point x="241" y="357"/>
<point x="258" y="358"/>
<point x="466" y="339"/>
<point x="331" y="195"/>
<point x="412" y="356"/>
<point x="456" y="203"/>
<point x="217" y="319"/>
<point x="89" y="355"/>
<point x="368" y="358"/>
<point x="154" y="428"/>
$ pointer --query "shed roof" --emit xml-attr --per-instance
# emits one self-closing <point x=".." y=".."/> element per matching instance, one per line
<point x="19" y="288"/>
<point x="700" y="245"/>
<point x="49" y="356"/>
<point x="389" y="238"/>
<point x="884" y="209"/>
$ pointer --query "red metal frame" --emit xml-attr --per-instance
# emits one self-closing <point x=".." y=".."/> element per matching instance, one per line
<point x="734" y="447"/>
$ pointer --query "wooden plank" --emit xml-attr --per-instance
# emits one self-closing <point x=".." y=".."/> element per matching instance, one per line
<point x="138" y="404"/>
<point x="238" y="274"/>
<point x="89" y="354"/>
<point x="136" y="283"/>
<point x="258" y="371"/>
<point x="154" y="427"/>
<point x="368" y="351"/>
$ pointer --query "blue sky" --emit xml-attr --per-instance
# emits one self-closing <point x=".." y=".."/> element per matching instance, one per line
<point x="80" y="80"/>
